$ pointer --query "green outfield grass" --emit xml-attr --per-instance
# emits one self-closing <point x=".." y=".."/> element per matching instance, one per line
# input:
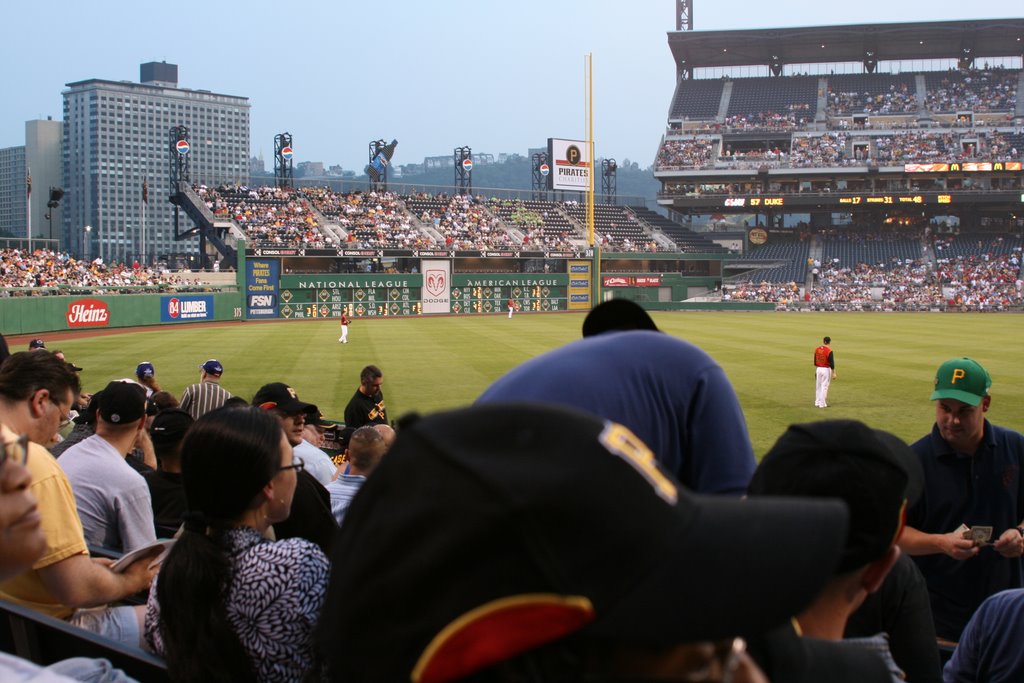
<point x="885" y="361"/>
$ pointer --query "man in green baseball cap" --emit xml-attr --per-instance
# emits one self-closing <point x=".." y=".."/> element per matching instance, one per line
<point x="966" y="531"/>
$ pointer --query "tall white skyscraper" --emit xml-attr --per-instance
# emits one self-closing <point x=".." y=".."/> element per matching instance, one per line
<point x="116" y="136"/>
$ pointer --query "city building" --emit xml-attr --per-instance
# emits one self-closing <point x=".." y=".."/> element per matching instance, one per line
<point x="117" y="138"/>
<point x="39" y="157"/>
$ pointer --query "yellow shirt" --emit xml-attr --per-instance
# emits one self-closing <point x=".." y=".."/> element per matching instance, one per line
<point x="61" y="526"/>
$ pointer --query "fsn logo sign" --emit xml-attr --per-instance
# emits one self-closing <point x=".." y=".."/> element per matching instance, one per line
<point x="88" y="313"/>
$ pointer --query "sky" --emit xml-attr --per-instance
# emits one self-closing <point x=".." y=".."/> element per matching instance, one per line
<point x="436" y="75"/>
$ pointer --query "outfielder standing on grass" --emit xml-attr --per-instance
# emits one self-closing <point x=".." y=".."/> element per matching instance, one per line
<point x="344" y="329"/>
<point x="824" y="372"/>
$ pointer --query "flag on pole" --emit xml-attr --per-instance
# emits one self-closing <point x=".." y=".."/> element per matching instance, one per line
<point x="145" y="190"/>
<point x="28" y="183"/>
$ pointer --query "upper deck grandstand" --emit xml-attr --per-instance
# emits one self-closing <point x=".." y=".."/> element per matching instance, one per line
<point x="853" y="150"/>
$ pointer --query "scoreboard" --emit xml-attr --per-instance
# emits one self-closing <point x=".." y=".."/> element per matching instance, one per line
<point x="356" y="302"/>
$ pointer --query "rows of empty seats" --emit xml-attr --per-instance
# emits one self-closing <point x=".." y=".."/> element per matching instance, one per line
<point x="774" y="102"/>
<point x="616" y="228"/>
<point x="696" y="99"/>
<point x="976" y="245"/>
<point x="883" y="252"/>
<point x="685" y="239"/>
<point x="793" y="252"/>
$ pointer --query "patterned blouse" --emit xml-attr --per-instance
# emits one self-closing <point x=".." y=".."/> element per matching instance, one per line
<point x="275" y="593"/>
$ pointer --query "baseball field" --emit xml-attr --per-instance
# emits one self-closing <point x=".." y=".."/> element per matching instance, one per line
<point x="885" y="362"/>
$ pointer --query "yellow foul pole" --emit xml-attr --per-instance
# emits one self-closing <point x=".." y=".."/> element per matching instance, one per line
<point x="590" y="149"/>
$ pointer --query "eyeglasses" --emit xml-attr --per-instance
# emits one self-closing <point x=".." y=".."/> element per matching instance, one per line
<point x="15" y="451"/>
<point x="296" y="465"/>
<point x="65" y="418"/>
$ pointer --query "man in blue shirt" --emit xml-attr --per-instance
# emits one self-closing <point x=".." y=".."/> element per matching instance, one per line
<point x="972" y="479"/>
<point x="670" y="393"/>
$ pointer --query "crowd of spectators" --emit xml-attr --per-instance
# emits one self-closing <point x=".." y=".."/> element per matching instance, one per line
<point x="685" y="153"/>
<point x="979" y="282"/>
<point x="48" y="272"/>
<point x="845" y="148"/>
<point x="978" y="91"/>
<point x="797" y="116"/>
<point x="899" y="99"/>
<point x="371" y="219"/>
<point x="820" y="150"/>
<point x="268" y="215"/>
<point x="462" y="220"/>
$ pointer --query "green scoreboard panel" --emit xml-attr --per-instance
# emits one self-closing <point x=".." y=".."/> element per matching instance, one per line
<point x="356" y="301"/>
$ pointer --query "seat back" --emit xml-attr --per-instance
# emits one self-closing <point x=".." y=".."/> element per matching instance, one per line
<point x="45" y="640"/>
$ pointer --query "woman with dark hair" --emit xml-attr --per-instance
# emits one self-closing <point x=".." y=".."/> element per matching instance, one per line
<point x="229" y="604"/>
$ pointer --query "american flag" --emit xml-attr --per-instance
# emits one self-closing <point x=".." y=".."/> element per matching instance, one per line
<point x="28" y="183"/>
<point x="145" y="190"/>
<point x="380" y="162"/>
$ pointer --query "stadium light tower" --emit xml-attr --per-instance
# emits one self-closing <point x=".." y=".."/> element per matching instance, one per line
<point x="463" y="159"/>
<point x="609" y="182"/>
<point x="684" y="15"/>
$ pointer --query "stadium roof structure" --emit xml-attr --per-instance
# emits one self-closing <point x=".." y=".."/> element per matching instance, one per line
<point x="965" y="40"/>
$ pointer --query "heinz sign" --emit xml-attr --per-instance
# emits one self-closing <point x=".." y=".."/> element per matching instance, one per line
<point x="88" y="313"/>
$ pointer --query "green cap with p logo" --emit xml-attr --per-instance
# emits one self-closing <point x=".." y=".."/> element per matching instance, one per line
<point x="962" y="379"/>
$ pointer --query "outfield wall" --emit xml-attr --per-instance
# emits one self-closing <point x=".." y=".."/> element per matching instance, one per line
<point x="35" y="314"/>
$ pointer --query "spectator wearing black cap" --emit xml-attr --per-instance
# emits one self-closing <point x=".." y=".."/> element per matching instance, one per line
<point x="165" y="486"/>
<point x="468" y="556"/>
<point x="670" y="393"/>
<point x="36" y="344"/>
<point x="113" y="499"/>
<point x="206" y="395"/>
<point x="877" y="476"/>
<point x="311" y="510"/>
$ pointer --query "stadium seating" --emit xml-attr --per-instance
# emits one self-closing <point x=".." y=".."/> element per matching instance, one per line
<point x="976" y="90"/>
<point x="697" y="100"/>
<point x="772" y="103"/>
<point x="872" y="94"/>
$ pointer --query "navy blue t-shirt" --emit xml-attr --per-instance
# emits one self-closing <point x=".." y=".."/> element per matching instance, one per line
<point x="983" y="490"/>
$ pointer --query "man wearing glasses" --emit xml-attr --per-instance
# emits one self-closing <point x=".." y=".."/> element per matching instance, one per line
<point x="36" y="393"/>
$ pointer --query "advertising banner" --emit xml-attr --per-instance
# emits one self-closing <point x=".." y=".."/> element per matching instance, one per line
<point x="580" y="282"/>
<point x="181" y="309"/>
<point x="571" y="164"/>
<point x="437" y="284"/>
<point x="261" y="287"/>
